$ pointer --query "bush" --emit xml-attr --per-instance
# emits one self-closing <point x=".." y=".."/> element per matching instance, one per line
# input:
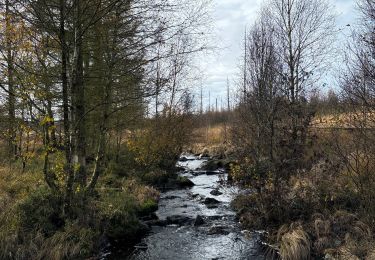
<point x="160" y="143"/>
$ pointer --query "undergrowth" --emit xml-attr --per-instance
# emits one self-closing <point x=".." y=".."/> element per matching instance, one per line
<point x="32" y="225"/>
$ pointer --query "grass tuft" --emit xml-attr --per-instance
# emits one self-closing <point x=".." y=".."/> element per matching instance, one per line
<point x="294" y="243"/>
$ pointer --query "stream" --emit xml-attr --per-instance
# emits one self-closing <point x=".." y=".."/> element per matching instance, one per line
<point x="200" y="225"/>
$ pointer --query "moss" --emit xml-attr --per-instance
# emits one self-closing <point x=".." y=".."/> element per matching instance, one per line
<point x="184" y="182"/>
<point x="148" y="207"/>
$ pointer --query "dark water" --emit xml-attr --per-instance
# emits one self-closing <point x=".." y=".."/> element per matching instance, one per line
<point x="175" y="242"/>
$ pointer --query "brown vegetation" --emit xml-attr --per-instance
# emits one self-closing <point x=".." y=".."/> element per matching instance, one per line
<point x="309" y="164"/>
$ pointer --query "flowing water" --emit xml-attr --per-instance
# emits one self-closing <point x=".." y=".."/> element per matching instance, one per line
<point x="219" y="235"/>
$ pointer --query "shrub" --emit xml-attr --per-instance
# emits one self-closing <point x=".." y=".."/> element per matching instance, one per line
<point x="160" y="142"/>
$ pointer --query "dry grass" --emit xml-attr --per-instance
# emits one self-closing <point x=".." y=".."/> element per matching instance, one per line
<point x="73" y="242"/>
<point x="294" y="242"/>
<point x="140" y="192"/>
<point x="344" y="120"/>
<point x="337" y="236"/>
<point x="211" y="135"/>
<point x="343" y="236"/>
<point x="214" y="140"/>
<point x="16" y="184"/>
<point x="322" y="228"/>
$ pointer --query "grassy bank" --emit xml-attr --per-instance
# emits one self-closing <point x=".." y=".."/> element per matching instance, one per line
<point x="32" y="226"/>
<point x="324" y="210"/>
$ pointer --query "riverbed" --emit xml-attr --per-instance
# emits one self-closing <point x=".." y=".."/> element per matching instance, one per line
<point x="201" y="224"/>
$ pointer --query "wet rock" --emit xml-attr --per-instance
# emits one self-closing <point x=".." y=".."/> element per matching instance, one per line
<point x="242" y="211"/>
<point x="156" y="222"/>
<point x="199" y="221"/>
<point x="180" y="169"/>
<point x="178" y="220"/>
<point x="214" y="218"/>
<point x="212" y="165"/>
<point x="143" y="230"/>
<point x="141" y="246"/>
<point x="198" y="173"/>
<point x="171" y="197"/>
<point x="216" y="192"/>
<point x="103" y="242"/>
<point x="183" y="159"/>
<point x="184" y="182"/>
<point x="198" y="197"/>
<point x="218" y="230"/>
<point x="204" y="154"/>
<point x="149" y="217"/>
<point x="211" y="201"/>
<point x="209" y="173"/>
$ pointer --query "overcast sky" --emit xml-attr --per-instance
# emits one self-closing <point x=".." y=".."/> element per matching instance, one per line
<point x="231" y="17"/>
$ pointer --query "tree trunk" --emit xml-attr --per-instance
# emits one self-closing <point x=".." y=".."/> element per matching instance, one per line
<point x="52" y="123"/>
<point x="11" y="94"/>
<point x="66" y="111"/>
<point x="78" y="99"/>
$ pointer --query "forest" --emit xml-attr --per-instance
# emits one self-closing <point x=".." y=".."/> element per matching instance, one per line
<point x="110" y="149"/>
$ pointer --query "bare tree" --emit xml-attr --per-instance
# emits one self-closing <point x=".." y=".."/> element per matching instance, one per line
<point x="284" y="53"/>
<point x="260" y="113"/>
<point x="304" y="31"/>
<point x="358" y="89"/>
